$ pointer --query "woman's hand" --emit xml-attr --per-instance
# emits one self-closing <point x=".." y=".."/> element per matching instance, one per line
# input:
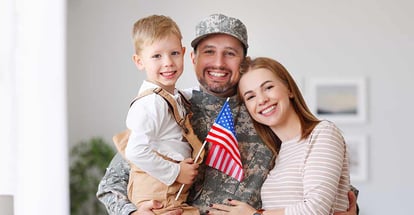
<point x="352" y="210"/>
<point x="234" y="208"/>
<point x="146" y="208"/>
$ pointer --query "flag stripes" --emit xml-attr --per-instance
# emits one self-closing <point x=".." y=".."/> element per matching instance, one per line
<point x="220" y="136"/>
<point x="224" y="153"/>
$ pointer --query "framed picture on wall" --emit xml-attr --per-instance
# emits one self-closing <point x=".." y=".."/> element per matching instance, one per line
<point x="337" y="100"/>
<point x="358" y="157"/>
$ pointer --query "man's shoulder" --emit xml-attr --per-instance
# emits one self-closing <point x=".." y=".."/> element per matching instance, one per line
<point x="188" y="92"/>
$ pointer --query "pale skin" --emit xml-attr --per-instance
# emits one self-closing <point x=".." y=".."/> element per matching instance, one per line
<point x="162" y="61"/>
<point x="267" y="99"/>
<point x="268" y="102"/>
<point x="217" y="63"/>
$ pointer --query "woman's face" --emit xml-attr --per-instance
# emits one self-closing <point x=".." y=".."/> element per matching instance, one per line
<point x="266" y="97"/>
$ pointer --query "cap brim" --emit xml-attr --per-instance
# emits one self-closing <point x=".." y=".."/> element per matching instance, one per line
<point x="197" y="40"/>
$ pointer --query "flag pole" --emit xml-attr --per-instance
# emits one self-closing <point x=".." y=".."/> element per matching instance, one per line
<point x="195" y="160"/>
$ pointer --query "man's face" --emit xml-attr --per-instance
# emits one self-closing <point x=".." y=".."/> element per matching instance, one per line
<point x="217" y="62"/>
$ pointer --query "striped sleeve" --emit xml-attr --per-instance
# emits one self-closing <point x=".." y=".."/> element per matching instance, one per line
<point x="323" y="168"/>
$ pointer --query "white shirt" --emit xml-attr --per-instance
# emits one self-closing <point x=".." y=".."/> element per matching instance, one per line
<point x="153" y="128"/>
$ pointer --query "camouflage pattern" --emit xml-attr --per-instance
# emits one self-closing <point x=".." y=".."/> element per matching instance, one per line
<point x="112" y="189"/>
<point x="219" y="23"/>
<point x="213" y="186"/>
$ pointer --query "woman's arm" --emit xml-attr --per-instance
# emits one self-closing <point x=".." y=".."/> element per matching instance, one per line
<point x="324" y="162"/>
<point x="325" y="173"/>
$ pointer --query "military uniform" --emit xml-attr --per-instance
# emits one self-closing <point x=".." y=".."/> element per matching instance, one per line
<point x="112" y="189"/>
<point x="211" y="185"/>
<point x="214" y="186"/>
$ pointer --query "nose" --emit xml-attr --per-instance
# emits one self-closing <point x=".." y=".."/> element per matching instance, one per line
<point x="219" y="61"/>
<point x="168" y="61"/>
<point x="262" y="98"/>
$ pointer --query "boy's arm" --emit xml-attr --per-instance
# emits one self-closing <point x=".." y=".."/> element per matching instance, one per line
<point x="112" y="189"/>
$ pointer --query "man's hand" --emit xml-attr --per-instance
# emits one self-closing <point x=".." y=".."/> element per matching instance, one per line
<point x="146" y="208"/>
<point x="352" y="210"/>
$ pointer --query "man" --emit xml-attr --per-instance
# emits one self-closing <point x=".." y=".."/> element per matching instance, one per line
<point x="220" y="47"/>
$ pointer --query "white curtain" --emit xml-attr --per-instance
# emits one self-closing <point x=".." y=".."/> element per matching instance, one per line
<point x="33" y="125"/>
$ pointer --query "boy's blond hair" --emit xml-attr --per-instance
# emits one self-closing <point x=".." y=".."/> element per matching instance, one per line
<point x="152" y="28"/>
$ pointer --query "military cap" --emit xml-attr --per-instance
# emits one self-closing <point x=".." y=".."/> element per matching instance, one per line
<point x="220" y="24"/>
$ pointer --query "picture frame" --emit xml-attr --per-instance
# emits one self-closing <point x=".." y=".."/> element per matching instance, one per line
<point x="357" y="147"/>
<point x="338" y="100"/>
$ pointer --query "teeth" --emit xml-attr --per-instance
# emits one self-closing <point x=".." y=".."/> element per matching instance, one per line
<point x="267" y="110"/>
<point x="168" y="73"/>
<point x="217" y="74"/>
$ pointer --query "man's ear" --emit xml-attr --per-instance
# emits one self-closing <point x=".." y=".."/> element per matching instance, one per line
<point x="192" y="56"/>
<point x="138" y="62"/>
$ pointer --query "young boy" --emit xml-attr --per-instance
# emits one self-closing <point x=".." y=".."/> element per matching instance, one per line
<point x="160" y="159"/>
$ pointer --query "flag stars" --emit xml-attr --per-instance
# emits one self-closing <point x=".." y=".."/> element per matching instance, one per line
<point x="224" y="154"/>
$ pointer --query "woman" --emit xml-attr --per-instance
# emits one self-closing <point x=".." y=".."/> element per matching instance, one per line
<point x="311" y="173"/>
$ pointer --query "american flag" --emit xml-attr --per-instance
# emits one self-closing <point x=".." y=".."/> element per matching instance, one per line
<point x="224" y="153"/>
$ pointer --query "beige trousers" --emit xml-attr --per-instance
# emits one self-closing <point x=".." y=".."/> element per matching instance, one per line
<point x="143" y="187"/>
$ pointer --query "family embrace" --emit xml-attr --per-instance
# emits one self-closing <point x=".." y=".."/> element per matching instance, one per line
<point x="293" y="162"/>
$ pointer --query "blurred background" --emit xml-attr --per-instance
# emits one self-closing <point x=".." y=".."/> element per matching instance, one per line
<point x="66" y="79"/>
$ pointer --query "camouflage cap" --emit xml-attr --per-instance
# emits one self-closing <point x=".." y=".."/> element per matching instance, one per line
<point x="220" y="24"/>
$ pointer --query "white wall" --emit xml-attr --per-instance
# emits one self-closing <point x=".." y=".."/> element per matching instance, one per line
<point x="319" y="38"/>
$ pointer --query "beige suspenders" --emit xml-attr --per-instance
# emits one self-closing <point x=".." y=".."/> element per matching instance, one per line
<point x="121" y="139"/>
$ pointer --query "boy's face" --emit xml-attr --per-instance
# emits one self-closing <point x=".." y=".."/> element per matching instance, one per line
<point x="162" y="61"/>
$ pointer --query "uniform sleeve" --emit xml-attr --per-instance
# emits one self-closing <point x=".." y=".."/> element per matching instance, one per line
<point x="322" y="170"/>
<point x="112" y="189"/>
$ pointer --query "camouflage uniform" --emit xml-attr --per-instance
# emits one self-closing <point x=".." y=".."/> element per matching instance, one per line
<point x="112" y="189"/>
<point x="211" y="186"/>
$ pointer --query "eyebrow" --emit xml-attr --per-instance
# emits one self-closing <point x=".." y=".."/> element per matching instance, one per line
<point x="232" y="48"/>
<point x="225" y="48"/>
<point x="261" y="85"/>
